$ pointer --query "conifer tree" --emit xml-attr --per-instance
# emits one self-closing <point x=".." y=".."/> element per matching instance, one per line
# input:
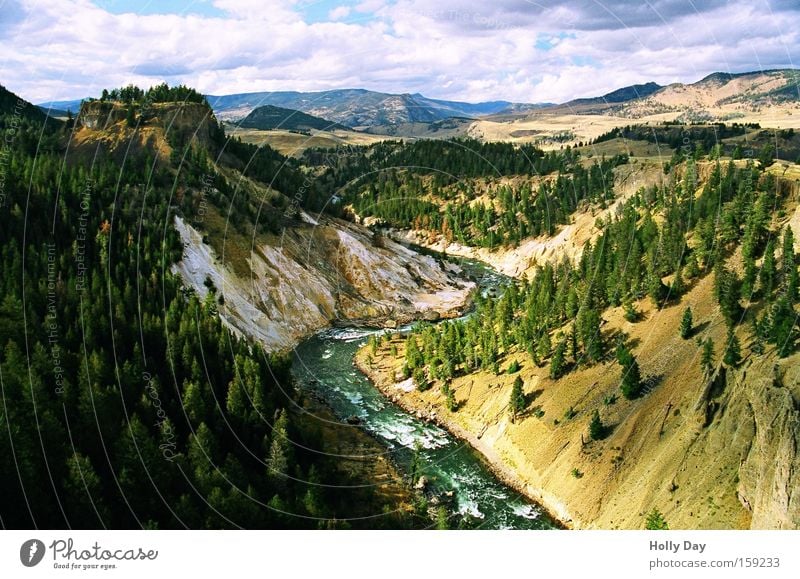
<point x="558" y="362"/>
<point x="733" y="353"/>
<point x="591" y="335"/>
<point x="544" y="346"/>
<point x="631" y="385"/>
<point x="597" y="429"/>
<point x="655" y="521"/>
<point x="686" y="323"/>
<point x="707" y="357"/>
<point x="782" y="320"/>
<point x="767" y="274"/>
<point x="517" y="402"/>
<point x="789" y="277"/>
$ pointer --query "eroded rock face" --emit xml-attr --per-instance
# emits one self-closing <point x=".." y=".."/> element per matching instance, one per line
<point x="99" y="115"/>
<point x="769" y="476"/>
<point x="319" y="274"/>
<point x="191" y="118"/>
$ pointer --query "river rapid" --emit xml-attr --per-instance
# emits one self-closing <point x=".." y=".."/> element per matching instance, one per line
<point x="457" y="477"/>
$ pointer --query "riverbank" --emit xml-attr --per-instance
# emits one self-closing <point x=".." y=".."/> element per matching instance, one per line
<point x="380" y="485"/>
<point x="682" y="448"/>
<point x="386" y="384"/>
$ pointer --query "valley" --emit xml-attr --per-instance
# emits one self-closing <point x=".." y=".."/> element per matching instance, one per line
<point x="515" y="277"/>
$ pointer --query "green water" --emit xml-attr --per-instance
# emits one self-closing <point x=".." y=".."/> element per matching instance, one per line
<point x="323" y="366"/>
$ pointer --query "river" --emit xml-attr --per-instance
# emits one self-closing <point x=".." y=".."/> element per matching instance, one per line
<point x="323" y="366"/>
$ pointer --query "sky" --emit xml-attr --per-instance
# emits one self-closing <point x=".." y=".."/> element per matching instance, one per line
<point x="470" y="50"/>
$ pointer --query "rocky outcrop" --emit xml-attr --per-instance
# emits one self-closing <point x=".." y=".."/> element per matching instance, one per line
<point x="97" y="115"/>
<point x="319" y="273"/>
<point x="769" y="477"/>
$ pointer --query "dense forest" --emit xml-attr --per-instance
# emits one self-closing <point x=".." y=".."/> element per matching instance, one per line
<point x="127" y="402"/>
<point x="506" y="215"/>
<point x="556" y="316"/>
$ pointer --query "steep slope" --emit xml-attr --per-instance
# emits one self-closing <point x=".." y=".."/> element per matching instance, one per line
<point x="568" y="242"/>
<point x="724" y="457"/>
<point x="152" y="414"/>
<point x="317" y="273"/>
<point x="709" y="448"/>
<point x="281" y="274"/>
<point x="11" y="104"/>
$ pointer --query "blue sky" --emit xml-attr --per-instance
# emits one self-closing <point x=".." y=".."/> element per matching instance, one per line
<point x="314" y="11"/>
<point x="201" y="7"/>
<point x="473" y="50"/>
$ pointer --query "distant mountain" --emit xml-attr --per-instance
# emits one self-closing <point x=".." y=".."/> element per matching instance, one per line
<point x="720" y="96"/>
<point x="73" y="106"/>
<point x="371" y="110"/>
<point x="356" y="108"/>
<point x="627" y="93"/>
<point x="272" y="117"/>
<point x="463" y="109"/>
<point x="54" y="113"/>
<point x="608" y="100"/>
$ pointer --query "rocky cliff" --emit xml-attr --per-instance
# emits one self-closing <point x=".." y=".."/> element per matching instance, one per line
<point x="319" y="273"/>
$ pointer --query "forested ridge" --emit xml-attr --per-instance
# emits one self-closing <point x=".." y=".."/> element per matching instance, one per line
<point x="662" y="241"/>
<point x="126" y="401"/>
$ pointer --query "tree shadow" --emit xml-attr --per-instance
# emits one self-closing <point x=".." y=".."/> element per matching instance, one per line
<point x="531" y="397"/>
<point x="534" y="411"/>
<point x="698" y="329"/>
<point x="615" y="336"/>
<point x="607" y="430"/>
<point x="650" y="383"/>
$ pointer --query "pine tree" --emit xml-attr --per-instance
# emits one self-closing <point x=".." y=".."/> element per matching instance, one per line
<point x="767" y="275"/>
<point x="421" y="379"/>
<point x="707" y="358"/>
<point x="591" y="334"/>
<point x="655" y="287"/>
<point x="597" y="429"/>
<point x="631" y="313"/>
<point x="573" y="342"/>
<point x="414" y="357"/>
<point x="279" y="458"/>
<point x="678" y="285"/>
<point x="544" y="346"/>
<point x="450" y="400"/>
<point x="727" y="286"/>
<point x="130" y="116"/>
<point x="631" y="378"/>
<point x="558" y="362"/>
<point x="782" y="320"/>
<point x="686" y="323"/>
<point x="655" y="521"/>
<point x="517" y="402"/>
<point x="749" y="279"/>
<point x="789" y="277"/>
<point x="733" y="353"/>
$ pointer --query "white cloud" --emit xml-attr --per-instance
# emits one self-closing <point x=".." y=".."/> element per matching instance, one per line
<point x="339" y="13"/>
<point x="459" y="49"/>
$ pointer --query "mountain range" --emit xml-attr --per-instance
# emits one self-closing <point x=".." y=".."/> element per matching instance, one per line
<point x="363" y="109"/>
